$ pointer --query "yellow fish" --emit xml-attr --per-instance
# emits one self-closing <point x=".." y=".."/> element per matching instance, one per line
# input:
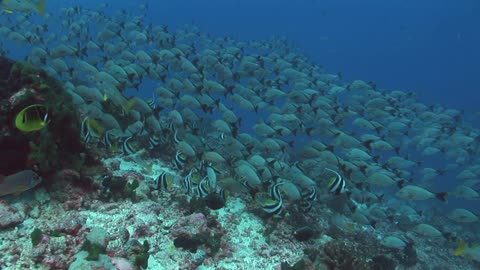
<point x="27" y="6"/>
<point x="32" y="118"/>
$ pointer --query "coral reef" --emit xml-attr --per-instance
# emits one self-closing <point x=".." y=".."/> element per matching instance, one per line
<point x="164" y="234"/>
<point x="52" y="148"/>
<point x="344" y="256"/>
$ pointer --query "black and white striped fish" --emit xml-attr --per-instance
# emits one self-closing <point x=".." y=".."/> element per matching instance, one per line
<point x="164" y="181"/>
<point x="337" y="184"/>
<point x="85" y="131"/>
<point x="153" y="141"/>
<point x="127" y="147"/>
<point x="180" y="160"/>
<point x="187" y="182"/>
<point x="274" y="206"/>
<point x="308" y="196"/>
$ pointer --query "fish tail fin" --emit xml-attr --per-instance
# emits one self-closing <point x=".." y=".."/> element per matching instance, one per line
<point x="442" y="196"/>
<point x="462" y="247"/>
<point x="41" y="6"/>
<point x="449" y="236"/>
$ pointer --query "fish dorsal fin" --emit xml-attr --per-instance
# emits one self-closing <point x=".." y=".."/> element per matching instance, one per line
<point x="461" y="248"/>
<point x="40" y="7"/>
<point x="331" y="181"/>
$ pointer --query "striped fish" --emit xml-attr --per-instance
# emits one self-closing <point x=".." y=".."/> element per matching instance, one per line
<point x="274" y="206"/>
<point x="180" y="160"/>
<point x="107" y="139"/>
<point x="306" y="206"/>
<point x="310" y="194"/>
<point x="152" y="103"/>
<point x="127" y="148"/>
<point x="202" y="189"/>
<point x="187" y="182"/>
<point x="85" y="131"/>
<point x="164" y="181"/>
<point x="337" y="184"/>
<point x="308" y="197"/>
<point x="275" y="192"/>
<point x="153" y="141"/>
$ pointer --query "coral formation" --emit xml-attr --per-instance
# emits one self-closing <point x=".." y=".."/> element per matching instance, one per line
<point x="52" y="148"/>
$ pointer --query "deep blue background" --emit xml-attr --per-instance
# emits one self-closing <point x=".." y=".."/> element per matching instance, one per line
<point x="431" y="47"/>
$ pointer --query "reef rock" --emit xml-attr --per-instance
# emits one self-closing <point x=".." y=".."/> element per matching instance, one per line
<point x="9" y="216"/>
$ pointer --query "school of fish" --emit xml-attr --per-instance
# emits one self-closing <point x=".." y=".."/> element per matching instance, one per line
<point x="257" y="117"/>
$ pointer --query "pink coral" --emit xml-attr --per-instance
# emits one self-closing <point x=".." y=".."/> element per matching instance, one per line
<point x="68" y="175"/>
<point x="122" y="263"/>
<point x="190" y="225"/>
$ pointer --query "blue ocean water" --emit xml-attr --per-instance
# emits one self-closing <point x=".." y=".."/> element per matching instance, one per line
<point x="428" y="48"/>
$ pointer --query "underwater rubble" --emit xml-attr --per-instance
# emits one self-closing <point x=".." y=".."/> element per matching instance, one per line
<point x="92" y="178"/>
<point x="70" y="226"/>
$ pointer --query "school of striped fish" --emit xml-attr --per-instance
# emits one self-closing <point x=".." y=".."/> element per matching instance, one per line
<point x="233" y="117"/>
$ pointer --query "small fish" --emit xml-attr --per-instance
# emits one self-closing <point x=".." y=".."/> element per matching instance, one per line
<point x="275" y="192"/>
<point x="394" y="242"/>
<point x="85" y="131"/>
<point x="27" y="6"/>
<point x="216" y="200"/>
<point x="187" y="182"/>
<point x="152" y="103"/>
<point x="18" y="182"/>
<point x="180" y="160"/>
<point x="203" y="189"/>
<point x="306" y="206"/>
<point x="251" y="189"/>
<point x="128" y="106"/>
<point x="310" y="195"/>
<point x="337" y="184"/>
<point x="32" y="118"/>
<point x="273" y="207"/>
<point x="462" y="216"/>
<point x="304" y="233"/>
<point x="472" y="252"/>
<point x="273" y="202"/>
<point x="212" y="176"/>
<point x="107" y="140"/>
<point x="427" y="230"/>
<point x="164" y="181"/>
<point x="153" y="141"/>
<point x="127" y="148"/>
<point x="416" y="193"/>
